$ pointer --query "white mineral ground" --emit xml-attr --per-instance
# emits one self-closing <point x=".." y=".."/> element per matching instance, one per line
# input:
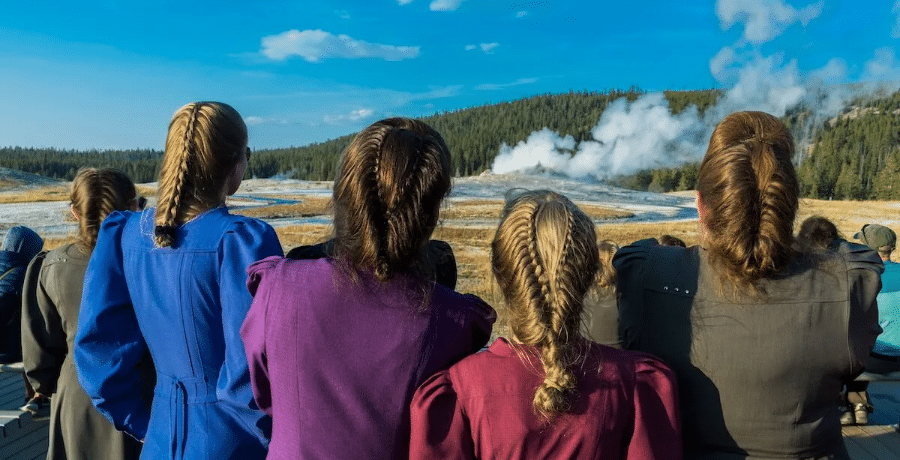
<point x="51" y="219"/>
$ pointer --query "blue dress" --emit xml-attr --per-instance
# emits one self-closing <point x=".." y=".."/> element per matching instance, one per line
<point x="186" y="304"/>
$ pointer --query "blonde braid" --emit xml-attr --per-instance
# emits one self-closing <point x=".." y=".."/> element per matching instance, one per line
<point x="558" y="388"/>
<point x="169" y="204"/>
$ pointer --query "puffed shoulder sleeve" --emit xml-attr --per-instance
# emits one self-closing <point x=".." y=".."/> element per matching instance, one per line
<point x="864" y="269"/>
<point x="483" y="318"/>
<point x="247" y="241"/>
<point x="629" y="263"/>
<point x="439" y="426"/>
<point x="657" y="424"/>
<point x="109" y="346"/>
<point x="253" y="332"/>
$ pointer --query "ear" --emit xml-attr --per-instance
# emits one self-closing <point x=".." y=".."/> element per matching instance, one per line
<point x="74" y="212"/>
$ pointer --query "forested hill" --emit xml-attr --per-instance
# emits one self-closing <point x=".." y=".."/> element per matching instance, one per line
<point x="855" y="155"/>
<point x="474" y="136"/>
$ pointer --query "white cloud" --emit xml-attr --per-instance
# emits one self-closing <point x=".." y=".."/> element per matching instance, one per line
<point x="444" y="5"/>
<point x="834" y="72"/>
<point x="316" y="45"/>
<point x="258" y="121"/>
<point x="404" y="2"/>
<point x="882" y="67"/>
<point x="343" y="14"/>
<point x="521" y="14"/>
<point x="487" y="48"/>
<point x="895" y="32"/>
<point x="355" y="115"/>
<point x="764" y="20"/>
<point x="496" y="86"/>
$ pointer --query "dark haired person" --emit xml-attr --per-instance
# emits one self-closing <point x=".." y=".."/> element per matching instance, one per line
<point x="338" y="345"/>
<point x="761" y="337"/>
<point x="817" y="233"/>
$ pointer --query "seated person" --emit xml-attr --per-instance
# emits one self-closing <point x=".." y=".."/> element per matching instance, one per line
<point x="885" y="356"/>
<point x="546" y="392"/>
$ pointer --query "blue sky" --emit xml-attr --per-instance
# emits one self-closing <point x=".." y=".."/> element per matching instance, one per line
<point x="109" y="74"/>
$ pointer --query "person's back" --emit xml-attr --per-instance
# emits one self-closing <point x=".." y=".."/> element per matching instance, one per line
<point x="172" y="280"/>
<point x="758" y="376"/>
<point x="759" y="333"/>
<point x="888" y="342"/>
<point x="547" y="392"/>
<point x="337" y="345"/>
<point x="343" y="356"/>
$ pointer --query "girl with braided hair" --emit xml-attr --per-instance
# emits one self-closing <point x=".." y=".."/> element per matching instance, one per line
<point x="547" y="392"/>
<point x="759" y="333"/>
<point x="171" y="280"/>
<point x="50" y="307"/>
<point x="337" y="345"/>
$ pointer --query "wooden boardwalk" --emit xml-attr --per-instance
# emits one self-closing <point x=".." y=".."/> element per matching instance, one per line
<point x="23" y="437"/>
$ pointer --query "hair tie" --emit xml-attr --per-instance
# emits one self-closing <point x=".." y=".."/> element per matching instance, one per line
<point x="169" y="231"/>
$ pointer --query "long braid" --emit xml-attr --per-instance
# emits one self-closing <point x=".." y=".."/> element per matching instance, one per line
<point x="169" y="206"/>
<point x="545" y="259"/>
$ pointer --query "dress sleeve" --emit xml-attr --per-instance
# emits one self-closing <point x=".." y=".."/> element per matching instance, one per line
<point x="864" y="282"/>
<point x="44" y="345"/>
<point x="439" y="427"/>
<point x="109" y="346"/>
<point x="484" y="317"/>
<point x="657" y="424"/>
<point x="253" y="332"/>
<point x="629" y="262"/>
<point x="246" y="242"/>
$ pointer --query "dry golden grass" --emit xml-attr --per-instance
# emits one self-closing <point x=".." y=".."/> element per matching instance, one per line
<point x="310" y="206"/>
<point x="52" y="193"/>
<point x="490" y="209"/>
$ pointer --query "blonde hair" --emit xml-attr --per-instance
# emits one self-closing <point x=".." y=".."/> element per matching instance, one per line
<point x="205" y="141"/>
<point x="545" y="259"/>
<point x="749" y="189"/>
<point x="387" y="195"/>
<point x="95" y="194"/>
<point x="606" y="278"/>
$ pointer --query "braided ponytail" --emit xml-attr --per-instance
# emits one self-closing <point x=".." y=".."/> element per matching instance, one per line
<point x="749" y="189"/>
<point x="391" y="181"/>
<point x="95" y="194"/>
<point x="205" y="142"/>
<point x="545" y="260"/>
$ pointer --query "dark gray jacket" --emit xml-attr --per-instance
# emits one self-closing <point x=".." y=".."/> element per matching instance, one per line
<point x="758" y="375"/>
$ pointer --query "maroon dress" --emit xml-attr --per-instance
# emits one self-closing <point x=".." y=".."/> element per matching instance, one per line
<point x="482" y="408"/>
<point x="335" y="361"/>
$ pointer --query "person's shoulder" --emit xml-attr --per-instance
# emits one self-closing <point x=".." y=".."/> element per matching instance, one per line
<point x="468" y="304"/>
<point x="69" y="252"/>
<point x="858" y="256"/>
<point x="238" y="222"/>
<point x="632" y="361"/>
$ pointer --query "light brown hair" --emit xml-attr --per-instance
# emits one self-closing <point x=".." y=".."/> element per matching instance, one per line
<point x="749" y="190"/>
<point x="545" y="259"/>
<point x="95" y="194"/>
<point x="391" y="180"/>
<point x="205" y="142"/>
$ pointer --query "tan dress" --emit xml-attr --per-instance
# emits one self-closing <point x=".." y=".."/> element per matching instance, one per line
<point x="51" y="301"/>
<point x="757" y="375"/>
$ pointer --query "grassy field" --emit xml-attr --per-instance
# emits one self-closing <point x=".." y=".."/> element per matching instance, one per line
<point x="469" y="226"/>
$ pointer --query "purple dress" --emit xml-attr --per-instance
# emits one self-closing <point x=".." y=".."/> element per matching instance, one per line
<point x="336" y="361"/>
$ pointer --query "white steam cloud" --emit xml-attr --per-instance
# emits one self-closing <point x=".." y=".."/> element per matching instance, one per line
<point x="631" y="136"/>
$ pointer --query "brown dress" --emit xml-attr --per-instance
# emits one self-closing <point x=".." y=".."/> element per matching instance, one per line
<point x="758" y="375"/>
<point x="51" y="300"/>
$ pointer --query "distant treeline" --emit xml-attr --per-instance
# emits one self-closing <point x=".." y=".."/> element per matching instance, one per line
<point x="854" y="156"/>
